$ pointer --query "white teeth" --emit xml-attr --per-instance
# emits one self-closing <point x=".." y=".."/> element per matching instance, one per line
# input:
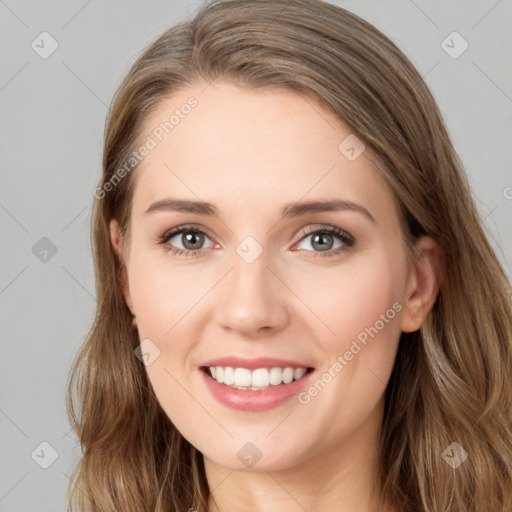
<point x="229" y="376"/>
<point x="299" y="373"/>
<point x="261" y="378"/>
<point x="287" y="375"/>
<point x="242" y="377"/>
<point x="275" y="376"/>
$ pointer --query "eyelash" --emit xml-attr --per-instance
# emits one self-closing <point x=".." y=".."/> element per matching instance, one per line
<point x="348" y="240"/>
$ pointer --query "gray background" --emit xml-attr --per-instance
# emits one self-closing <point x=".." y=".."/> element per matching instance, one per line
<point x="52" y="118"/>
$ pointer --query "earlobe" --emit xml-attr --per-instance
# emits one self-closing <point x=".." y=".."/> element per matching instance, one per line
<point x="423" y="285"/>
<point x="116" y="239"/>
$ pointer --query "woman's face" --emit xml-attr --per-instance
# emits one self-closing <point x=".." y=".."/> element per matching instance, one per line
<point x="268" y="279"/>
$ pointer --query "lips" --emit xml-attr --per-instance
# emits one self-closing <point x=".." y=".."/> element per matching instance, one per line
<point x="249" y="400"/>
<point x="254" y="397"/>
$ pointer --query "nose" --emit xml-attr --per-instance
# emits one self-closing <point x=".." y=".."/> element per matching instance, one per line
<point x="252" y="299"/>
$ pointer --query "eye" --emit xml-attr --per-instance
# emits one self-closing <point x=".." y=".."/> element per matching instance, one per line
<point x="323" y="240"/>
<point x="190" y="237"/>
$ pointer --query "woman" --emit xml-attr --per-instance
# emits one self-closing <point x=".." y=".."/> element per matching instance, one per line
<point x="298" y="308"/>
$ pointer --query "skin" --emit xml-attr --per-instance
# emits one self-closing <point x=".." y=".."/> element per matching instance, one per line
<point x="249" y="152"/>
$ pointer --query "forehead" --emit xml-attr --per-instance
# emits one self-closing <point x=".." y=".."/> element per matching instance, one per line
<point x="250" y="148"/>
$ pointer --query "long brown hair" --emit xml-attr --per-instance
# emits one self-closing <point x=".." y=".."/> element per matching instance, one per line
<point x="452" y="380"/>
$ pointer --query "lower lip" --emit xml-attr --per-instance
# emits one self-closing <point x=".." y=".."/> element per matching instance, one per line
<point x="247" y="400"/>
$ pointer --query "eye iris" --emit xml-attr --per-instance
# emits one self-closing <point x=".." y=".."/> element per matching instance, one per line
<point x="322" y="246"/>
<point x="193" y="238"/>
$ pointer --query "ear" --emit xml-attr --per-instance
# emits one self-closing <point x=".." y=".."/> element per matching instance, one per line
<point x="116" y="237"/>
<point x="423" y="283"/>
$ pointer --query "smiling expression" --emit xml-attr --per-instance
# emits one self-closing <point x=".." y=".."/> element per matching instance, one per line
<point x="263" y="271"/>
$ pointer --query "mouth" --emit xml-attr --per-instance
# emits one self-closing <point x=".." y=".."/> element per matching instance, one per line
<point x="259" y="379"/>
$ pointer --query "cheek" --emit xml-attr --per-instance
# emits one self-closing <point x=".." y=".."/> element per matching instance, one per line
<point x="164" y="299"/>
<point x="362" y="310"/>
<point x="353" y="297"/>
<point x="163" y="294"/>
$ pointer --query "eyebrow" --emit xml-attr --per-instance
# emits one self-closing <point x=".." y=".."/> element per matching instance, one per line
<point x="290" y="210"/>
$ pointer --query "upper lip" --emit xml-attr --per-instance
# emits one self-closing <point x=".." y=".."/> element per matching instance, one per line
<point x="253" y="364"/>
